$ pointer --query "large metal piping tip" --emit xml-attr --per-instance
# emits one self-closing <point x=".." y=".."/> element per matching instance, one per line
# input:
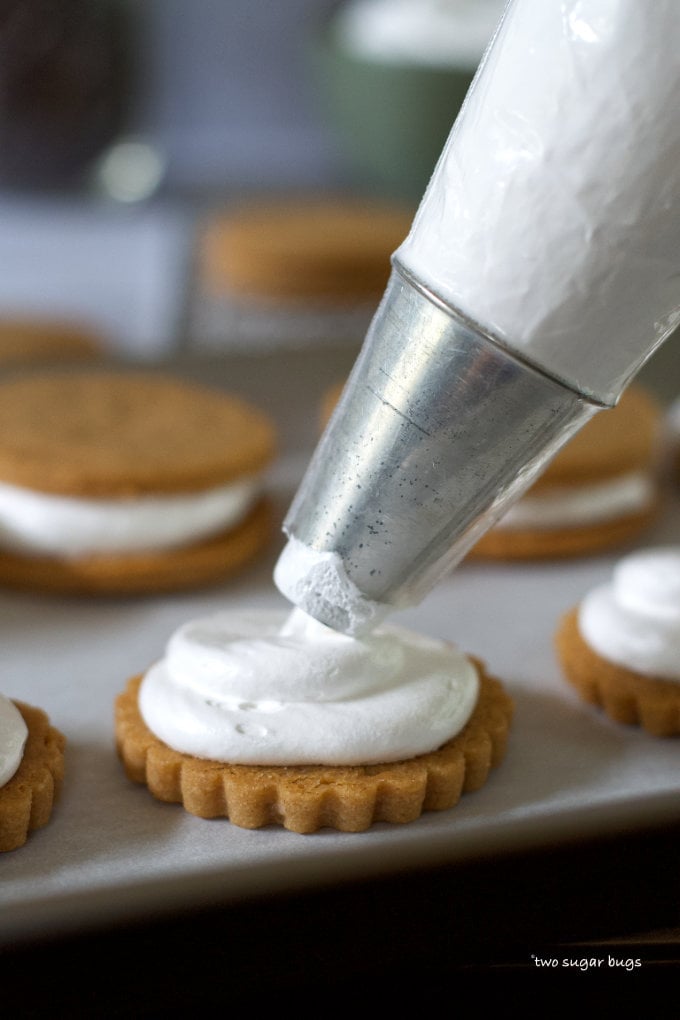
<point x="439" y="429"/>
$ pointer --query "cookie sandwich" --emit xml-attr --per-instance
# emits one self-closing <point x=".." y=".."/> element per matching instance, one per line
<point x="270" y="718"/>
<point x="303" y="268"/>
<point x="39" y="341"/>
<point x="31" y="771"/>
<point x="620" y="647"/>
<point x="128" y="481"/>
<point x="600" y="491"/>
<point x="294" y="247"/>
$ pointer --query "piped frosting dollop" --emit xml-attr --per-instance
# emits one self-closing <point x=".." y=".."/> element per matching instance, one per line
<point x="278" y="688"/>
<point x="634" y="619"/>
<point x="13" y="736"/>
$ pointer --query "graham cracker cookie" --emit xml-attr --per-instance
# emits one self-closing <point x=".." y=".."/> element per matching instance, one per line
<point x="304" y="799"/>
<point x="27" y="799"/>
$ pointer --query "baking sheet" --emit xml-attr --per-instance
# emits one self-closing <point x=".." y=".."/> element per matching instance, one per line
<point x="111" y="852"/>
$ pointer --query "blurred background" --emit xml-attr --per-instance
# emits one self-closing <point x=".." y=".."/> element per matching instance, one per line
<point x="128" y="130"/>
<point x="222" y="176"/>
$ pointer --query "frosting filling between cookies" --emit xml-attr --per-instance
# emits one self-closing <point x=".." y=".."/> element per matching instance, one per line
<point x="41" y="523"/>
<point x="13" y="736"/>
<point x="278" y="688"/>
<point x="634" y="620"/>
<point x="564" y="506"/>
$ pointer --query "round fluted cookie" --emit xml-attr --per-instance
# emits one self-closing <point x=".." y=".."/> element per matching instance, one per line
<point x="27" y="799"/>
<point x="620" y="646"/>
<point x="625" y="695"/>
<point x="306" y="798"/>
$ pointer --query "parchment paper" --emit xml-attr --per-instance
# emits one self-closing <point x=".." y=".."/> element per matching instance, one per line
<point x="111" y="852"/>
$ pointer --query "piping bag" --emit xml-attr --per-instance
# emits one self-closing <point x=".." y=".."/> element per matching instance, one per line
<point x="541" y="271"/>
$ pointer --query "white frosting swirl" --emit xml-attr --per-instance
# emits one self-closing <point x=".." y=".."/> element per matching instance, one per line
<point x="564" y="506"/>
<point x="634" y="620"/>
<point x="267" y="688"/>
<point x="13" y="736"/>
<point x="53" y="525"/>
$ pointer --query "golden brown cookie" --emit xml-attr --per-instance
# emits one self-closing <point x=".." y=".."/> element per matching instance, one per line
<point x="306" y="798"/>
<point x="616" y="444"/>
<point x="126" y="433"/>
<point x="625" y="696"/>
<point x="26" y="800"/>
<point x="34" y="341"/>
<point x="124" y="436"/>
<point x="334" y="248"/>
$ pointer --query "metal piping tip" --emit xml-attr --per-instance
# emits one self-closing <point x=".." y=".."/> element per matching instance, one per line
<point x="439" y="429"/>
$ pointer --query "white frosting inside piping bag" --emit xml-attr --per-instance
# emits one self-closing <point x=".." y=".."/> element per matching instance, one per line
<point x="46" y="524"/>
<point x="13" y="736"/>
<point x="564" y="506"/>
<point x="634" y="620"/>
<point x="271" y="688"/>
<point x="552" y="216"/>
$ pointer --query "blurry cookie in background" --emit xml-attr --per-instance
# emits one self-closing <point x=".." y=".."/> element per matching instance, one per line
<point x="294" y="269"/>
<point x="620" y="647"/>
<point x="39" y="341"/>
<point x="673" y="441"/>
<point x="601" y="490"/>
<point x="128" y="481"/>
<point x="31" y="771"/>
